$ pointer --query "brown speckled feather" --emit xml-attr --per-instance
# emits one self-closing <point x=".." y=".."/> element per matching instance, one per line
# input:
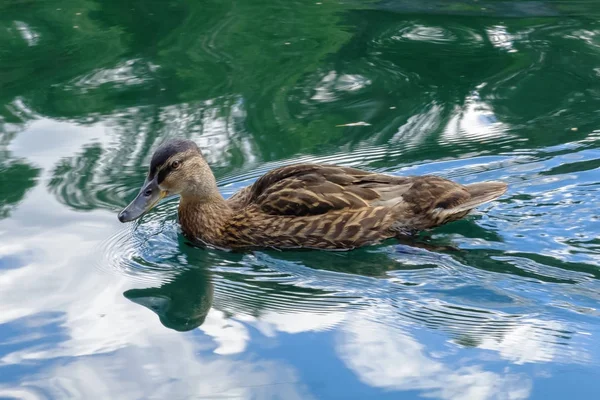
<point x="303" y="205"/>
<point x="332" y="207"/>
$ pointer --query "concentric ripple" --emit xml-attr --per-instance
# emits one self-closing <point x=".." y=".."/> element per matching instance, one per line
<point x="146" y="250"/>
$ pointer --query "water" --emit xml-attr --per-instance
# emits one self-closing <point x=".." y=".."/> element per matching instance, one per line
<point x="504" y="304"/>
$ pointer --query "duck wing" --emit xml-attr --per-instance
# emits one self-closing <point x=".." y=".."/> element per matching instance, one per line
<point x="314" y="189"/>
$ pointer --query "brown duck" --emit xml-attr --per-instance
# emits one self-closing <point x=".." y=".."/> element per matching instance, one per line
<point x="303" y="205"/>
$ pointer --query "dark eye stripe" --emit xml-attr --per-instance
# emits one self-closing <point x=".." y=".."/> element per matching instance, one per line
<point x="168" y="150"/>
<point x="162" y="174"/>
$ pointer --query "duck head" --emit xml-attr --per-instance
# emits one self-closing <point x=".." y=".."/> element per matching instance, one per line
<point x="177" y="168"/>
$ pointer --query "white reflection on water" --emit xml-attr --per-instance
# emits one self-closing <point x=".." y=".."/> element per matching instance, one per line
<point x="169" y="369"/>
<point x="122" y="74"/>
<point x="474" y="121"/>
<point x="27" y="33"/>
<point x="501" y="39"/>
<point x="231" y="336"/>
<point x="419" y="127"/>
<point x="432" y="34"/>
<point x="330" y="86"/>
<point x="527" y="343"/>
<point x="388" y="357"/>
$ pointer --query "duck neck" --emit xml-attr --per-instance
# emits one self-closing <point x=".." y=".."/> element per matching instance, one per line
<point x="203" y="218"/>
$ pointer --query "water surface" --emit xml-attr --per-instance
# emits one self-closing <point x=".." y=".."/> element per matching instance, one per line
<point x="501" y="305"/>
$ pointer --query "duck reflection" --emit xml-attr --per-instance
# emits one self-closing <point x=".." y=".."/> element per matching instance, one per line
<point x="181" y="304"/>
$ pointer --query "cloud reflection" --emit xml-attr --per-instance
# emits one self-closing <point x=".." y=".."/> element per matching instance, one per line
<point x="390" y="358"/>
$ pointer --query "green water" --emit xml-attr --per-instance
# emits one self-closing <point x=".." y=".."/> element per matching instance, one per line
<point x="502" y="305"/>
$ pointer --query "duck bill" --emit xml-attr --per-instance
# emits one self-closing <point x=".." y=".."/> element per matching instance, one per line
<point x="148" y="197"/>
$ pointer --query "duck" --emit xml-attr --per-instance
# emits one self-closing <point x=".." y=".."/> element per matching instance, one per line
<point x="301" y="206"/>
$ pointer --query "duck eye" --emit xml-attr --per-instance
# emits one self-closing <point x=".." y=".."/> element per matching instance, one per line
<point x="175" y="164"/>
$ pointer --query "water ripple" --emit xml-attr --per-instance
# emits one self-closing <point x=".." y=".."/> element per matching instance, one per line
<point x="473" y="280"/>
